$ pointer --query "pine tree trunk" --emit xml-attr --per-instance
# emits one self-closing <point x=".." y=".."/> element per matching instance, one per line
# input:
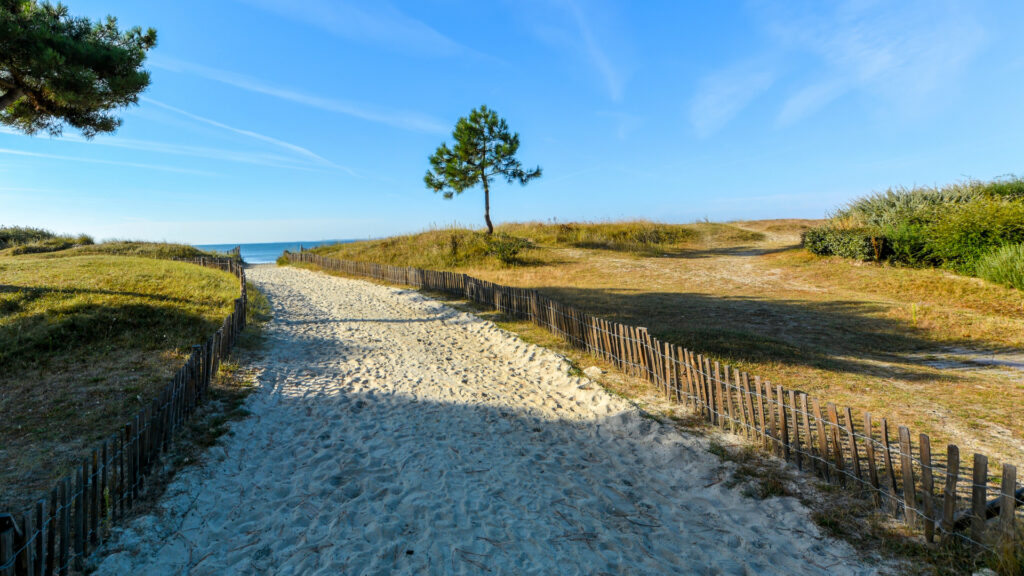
<point x="487" y="207"/>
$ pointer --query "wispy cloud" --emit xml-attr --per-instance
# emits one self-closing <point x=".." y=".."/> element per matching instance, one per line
<point x="250" y="134"/>
<point x="239" y="156"/>
<point x="723" y="95"/>
<point x="395" y="118"/>
<point x="110" y="162"/>
<point x="624" y="123"/>
<point x="904" y="53"/>
<point x="376" y="23"/>
<point x="614" y="80"/>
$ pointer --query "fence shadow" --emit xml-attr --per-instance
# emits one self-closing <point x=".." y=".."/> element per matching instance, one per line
<point x="844" y="336"/>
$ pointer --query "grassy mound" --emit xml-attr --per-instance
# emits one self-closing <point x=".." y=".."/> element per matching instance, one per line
<point x="636" y="236"/>
<point x="143" y="249"/>
<point x="85" y="341"/>
<point x="525" y="243"/>
<point x="16" y="240"/>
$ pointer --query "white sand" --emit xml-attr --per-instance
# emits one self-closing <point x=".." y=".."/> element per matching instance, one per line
<point x="393" y="434"/>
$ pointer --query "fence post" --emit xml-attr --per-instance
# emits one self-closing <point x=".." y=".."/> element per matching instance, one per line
<point x="1007" y="504"/>
<point x="907" y="471"/>
<point x="927" y="488"/>
<point x="978" y="494"/>
<point x="949" y="491"/>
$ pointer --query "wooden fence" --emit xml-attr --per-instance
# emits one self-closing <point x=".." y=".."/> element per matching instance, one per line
<point x="75" y="517"/>
<point x="933" y="492"/>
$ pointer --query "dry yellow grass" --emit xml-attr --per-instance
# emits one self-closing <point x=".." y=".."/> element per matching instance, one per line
<point x="907" y="344"/>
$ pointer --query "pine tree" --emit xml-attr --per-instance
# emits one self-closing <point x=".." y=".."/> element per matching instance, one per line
<point x="58" y="69"/>
<point x="483" y="149"/>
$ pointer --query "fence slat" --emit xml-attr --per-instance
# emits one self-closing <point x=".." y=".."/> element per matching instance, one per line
<point x="1008" y="504"/>
<point x="907" y="476"/>
<point x="869" y="451"/>
<point x="748" y="398"/>
<point x="852" y="438"/>
<point x="927" y="488"/>
<point x="837" y="446"/>
<point x="890" y="470"/>
<point x="949" y="491"/>
<point x="978" y="495"/>
<point x="795" y="430"/>
<point x="783" y="425"/>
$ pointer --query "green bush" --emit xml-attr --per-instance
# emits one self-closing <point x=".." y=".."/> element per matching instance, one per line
<point x="1004" y="266"/>
<point x="506" y="248"/>
<point x="907" y="243"/>
<point x="962" y="234"/>
<point x="859" y="243"/>
<point x="954" y="226"/>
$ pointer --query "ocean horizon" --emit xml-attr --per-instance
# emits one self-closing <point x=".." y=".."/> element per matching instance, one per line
<point x="265" y="252"/>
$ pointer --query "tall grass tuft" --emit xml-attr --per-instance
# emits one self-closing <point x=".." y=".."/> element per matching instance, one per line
<point x="16" y="240"/>
<point x="1003" y="266"/>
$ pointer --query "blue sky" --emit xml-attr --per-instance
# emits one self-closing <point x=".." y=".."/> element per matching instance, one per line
<point x="274" y="120"/>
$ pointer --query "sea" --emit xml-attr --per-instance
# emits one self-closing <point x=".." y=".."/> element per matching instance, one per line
<point x="264" y="252"/>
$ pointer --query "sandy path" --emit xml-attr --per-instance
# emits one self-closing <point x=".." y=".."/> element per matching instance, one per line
<point x="392" y="434"/>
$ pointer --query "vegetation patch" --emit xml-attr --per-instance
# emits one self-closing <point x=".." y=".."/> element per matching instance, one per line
<point x="1004" y="265"/>
<point x="530" y="244"/>
<point x="952" y="227"/>
<point x="16" y="240"/>
<point x="85" y="342"/>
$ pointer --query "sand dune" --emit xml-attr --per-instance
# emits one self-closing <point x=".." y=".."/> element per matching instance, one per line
<point x="392" y="434"/>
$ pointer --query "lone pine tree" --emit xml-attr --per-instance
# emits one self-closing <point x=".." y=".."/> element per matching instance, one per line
<point x="484" y="149"/>
<point x="58" y="69"/>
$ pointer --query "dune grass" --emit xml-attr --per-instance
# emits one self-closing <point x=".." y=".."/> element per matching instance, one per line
<point x="86" y="340"/>
<point x="907" y="344"/>
<point x="454" y="248"/>
<point x="16" y="240"/>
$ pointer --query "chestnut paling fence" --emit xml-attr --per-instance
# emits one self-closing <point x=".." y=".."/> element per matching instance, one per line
<point x="935" y="492"/>
<point x="64" y="526"/>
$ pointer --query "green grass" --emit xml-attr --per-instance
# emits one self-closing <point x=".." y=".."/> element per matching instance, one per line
<point x="1004" y="266"/>
<point x="86" y="340"/>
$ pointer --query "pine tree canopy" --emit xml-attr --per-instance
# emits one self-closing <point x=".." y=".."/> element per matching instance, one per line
<point x="484" y="149"/>
<point x="58" y="69"/>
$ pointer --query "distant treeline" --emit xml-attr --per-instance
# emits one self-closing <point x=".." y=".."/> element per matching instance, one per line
<point x="972" y="227"/>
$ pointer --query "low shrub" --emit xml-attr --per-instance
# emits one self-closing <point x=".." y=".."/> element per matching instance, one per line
<point x="1004" y="266"/>
<point x="858" y="243"/>
<point x="506" y="248"/>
